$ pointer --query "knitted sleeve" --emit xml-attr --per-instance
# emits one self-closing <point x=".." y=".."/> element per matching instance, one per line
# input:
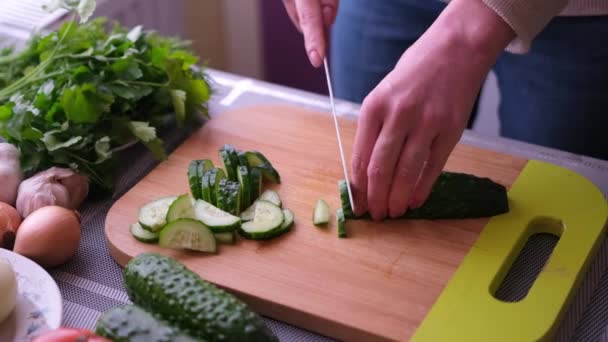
<point x="526" y="17"/>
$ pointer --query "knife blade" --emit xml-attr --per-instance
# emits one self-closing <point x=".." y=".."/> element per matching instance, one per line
<point x="333" y="112"/>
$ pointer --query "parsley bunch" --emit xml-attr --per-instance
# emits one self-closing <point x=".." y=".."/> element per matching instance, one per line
<point x="75" y="96"/>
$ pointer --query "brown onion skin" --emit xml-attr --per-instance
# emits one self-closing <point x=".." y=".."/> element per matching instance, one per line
<point x="49" y="236"/>
<point x="10" y="220"/>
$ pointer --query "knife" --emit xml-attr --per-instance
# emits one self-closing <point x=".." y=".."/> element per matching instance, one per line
<point x="333" y="111"/>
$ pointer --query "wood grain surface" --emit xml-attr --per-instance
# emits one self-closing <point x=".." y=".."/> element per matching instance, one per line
<point x="377" y="284"/>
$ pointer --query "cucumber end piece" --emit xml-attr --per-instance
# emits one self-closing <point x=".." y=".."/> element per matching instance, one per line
<point x="320" y="216"/>
<point x="341" y="223"/>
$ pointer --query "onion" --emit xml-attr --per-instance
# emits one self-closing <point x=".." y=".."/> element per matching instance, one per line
<point x="9" y="223"/>
<point x="49" y="236"/>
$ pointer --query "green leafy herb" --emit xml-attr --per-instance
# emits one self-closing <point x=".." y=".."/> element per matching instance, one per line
<point x="73" y="97"/>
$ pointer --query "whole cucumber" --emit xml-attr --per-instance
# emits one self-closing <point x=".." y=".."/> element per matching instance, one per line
<point x="169" y="290"/>
<point x="130" y="323"/>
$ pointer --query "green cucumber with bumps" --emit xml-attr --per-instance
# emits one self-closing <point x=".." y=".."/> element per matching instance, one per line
<point x="453" y="196"/>
<point x="228" y="196"/>
<point x="245" y="186"/>
<point x="215" y="176"/>
<point x="255" y="179"/>
<point x="130" y="323"/>
<point x="172" y="292"/>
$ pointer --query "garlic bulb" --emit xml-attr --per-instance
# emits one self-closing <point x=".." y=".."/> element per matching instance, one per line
<point x="54" y="186"/>
<point x="10" y="173"/>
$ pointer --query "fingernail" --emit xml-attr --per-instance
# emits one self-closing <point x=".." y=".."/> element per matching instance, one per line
<point x="315" y="59"/>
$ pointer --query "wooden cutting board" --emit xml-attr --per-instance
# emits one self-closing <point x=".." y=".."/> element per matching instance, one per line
<point x="378" y="284"/>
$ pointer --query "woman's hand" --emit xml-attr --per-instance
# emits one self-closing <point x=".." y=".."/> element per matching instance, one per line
<point x="312" y="17"/>
<point x="411" y="121"/>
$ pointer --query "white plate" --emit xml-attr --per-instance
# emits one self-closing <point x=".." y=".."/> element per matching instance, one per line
<point x="39" y="306"/>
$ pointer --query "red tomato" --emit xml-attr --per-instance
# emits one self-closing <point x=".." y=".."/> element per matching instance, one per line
<point x="70" y="335"/>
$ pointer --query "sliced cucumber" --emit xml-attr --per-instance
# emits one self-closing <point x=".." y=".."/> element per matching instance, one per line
<point x="249" y="213"/>
<point x="180" y="208"/>
<point x="245" y="186"/>
<point x="341" y="223"/>
<point x="255" y="176"/>
<point x="188" y="234"/>
<point x="272" y="197"/>
<point x="227" y="238"/>
<point x="228" y="196"/>
<point x="214" y="182"/>
<point x="257" y="159"/>
<point x="206" y="188"/>
<point x="216" y="219"/>
<point x="153" y="215"/>
<point x="288" y="218"/>
<point x="142" y="234"/>
<point x="268" y="218"/>
<point x="242" y="156"/>
<point x="320" y="215"/>
<point x="194" y="179"/>
<point x="228" y="165"/>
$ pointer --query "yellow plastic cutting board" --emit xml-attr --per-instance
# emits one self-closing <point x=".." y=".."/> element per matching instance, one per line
<point x="544" y="199"/>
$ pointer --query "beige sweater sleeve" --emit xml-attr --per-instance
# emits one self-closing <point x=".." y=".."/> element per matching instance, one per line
<point x="527" y="18"/>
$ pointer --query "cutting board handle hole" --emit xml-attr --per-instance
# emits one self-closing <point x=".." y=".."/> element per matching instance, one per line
<point x="542" y="235"/>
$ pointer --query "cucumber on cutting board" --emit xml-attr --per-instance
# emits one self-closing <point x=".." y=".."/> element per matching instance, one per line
<point x="255" y="176"/>
<point x="180" y="208"/>
<point x="244" y="186"/>
<point x="228" y="196"/>
<point x="266" y="224"/>
<point x="257" y="159"/>
<point x="216" y="219"/>
<point x="341" y="220"/>
<point x="153" y="215"/>
<point x="320" y="216"/>
<point x="229" y="164"/>
<point x="272" y="197"/>
<point x="215" y="176"/>
<point x="169" y="290"/>
<point x="187" y="234"/>
<point x="226" y="237"/>
<point x="142" y="234"/>
<point x="196" y="170"/>
<point x="453" y="196"/>
<point x="130" y="323"/>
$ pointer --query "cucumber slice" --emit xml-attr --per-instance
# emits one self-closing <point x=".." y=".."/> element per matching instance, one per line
<point x="180" y="208"/>
<point x="216" y="219"/>
<point x="188" y="234"/>
<point x="255" y="176"/>
<point x="256" y="159"/>
<point x="272" y="197"/>
<point x="249" y="213"/>
<point x="245" y="186"/>
<point x="320" y="215"/>
<point x="288" y="218"/>
<point x="341" y="223"/>
<point x="228" y="165"/>
<point x="227" y="238"/>
<point x="214" y="183"/>
<point x="268" y="218"/>
<point x="206" y="188"/>
<point x="242" y="156"/>
<point x="194" y="179"/>
<point x="142" y="234"/>
<point x="153" y="215"/>
<point x="196" y="170"/>
<point x="228" y="196"/>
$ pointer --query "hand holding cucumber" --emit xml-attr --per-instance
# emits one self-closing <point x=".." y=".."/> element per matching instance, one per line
<point x="410" y="123"/>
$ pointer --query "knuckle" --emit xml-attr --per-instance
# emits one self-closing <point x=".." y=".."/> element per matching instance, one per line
<point x="372" y="106"/>
<point x="309" y="18"/>
<point x="376" y="172"/>
<point x="357" y="163"/>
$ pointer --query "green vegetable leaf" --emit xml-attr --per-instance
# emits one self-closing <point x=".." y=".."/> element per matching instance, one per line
<point x="52" y="143"/>
<point x="84" y="8"/>
<point x="102" y="148"/>
<point x="6" y="111"/>
<point x="147" y="134"/>
<point x="127" y="69"/>
<point x="83" y="104"/>
<point x="179" y="105"/>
